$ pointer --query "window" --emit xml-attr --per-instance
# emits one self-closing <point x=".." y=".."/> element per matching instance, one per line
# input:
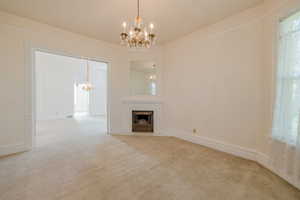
<point x="287" y="106"/>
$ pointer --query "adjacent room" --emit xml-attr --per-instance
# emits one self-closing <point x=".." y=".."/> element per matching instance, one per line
<point x="71" y="97"/>
<point x="150" y="100"/>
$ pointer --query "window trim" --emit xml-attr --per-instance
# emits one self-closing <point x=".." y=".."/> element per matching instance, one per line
<point x="275" y="20"/>
<point x="275" y="68"/>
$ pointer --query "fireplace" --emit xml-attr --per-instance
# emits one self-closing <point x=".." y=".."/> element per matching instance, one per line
<point x="142" y="121"/>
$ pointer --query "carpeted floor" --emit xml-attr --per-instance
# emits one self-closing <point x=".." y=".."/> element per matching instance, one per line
<point x="81" y="164"/>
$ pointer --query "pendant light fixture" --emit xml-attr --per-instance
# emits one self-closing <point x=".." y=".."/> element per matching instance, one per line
<point x="138" y="34"/>
<point x="87" y="86"/>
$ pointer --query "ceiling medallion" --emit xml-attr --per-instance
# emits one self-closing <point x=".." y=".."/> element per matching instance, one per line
<point x="138" y="35"/>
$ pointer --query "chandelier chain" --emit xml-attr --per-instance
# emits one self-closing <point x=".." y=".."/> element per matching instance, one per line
<point x="138" y="7"/>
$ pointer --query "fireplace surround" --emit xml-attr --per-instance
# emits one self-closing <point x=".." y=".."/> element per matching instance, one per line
<point x="142" y="121"/>
<point x="142" y="103"/>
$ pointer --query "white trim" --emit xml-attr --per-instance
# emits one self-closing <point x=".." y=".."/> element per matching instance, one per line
<point x="284" y="10"/>
<point x="139" y="134"/>
<point x="262" y="159"/>
<point x="56" y="117"/>
<point x="239" y="151"/>
<point x="265" y="161"/>
<point x="29" y="101"/>
<point x="141" y="101"/>
<point x="157" y="115"/>
<point x="11" y="149"/>
<point x="31" y="87"/>
<point x="214" y="144"/>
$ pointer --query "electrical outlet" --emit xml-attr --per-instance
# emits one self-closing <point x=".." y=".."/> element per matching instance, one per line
<point x="195" y="131"/>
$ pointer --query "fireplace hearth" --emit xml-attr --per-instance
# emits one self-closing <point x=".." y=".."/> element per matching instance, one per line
<point x="142" y="121"/>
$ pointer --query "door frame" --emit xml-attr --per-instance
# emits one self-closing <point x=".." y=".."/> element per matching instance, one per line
<point x="92" y="96"/>
<point x="30" y="84"/>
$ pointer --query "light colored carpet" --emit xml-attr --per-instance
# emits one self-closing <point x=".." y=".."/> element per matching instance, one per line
<point x="87" y="165"/>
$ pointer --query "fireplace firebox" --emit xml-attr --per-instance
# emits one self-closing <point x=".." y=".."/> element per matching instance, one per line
<point x="142" y="121"/>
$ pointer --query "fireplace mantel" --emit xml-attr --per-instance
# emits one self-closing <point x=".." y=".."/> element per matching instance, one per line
<point x="143" y="100"/>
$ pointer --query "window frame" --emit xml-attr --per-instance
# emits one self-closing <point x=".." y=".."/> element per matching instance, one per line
<point x="275" y="66"/>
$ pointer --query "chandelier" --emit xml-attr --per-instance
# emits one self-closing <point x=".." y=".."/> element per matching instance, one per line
<point x="138" y="34"/>
<point x="87" y="86"/>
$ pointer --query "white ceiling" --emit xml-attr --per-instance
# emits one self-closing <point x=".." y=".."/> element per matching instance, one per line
<point x="102" y="19"/>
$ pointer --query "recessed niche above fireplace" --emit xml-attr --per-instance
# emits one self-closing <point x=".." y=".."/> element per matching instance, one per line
<point x="142" y="121"/>
<point x="143" y="78"/>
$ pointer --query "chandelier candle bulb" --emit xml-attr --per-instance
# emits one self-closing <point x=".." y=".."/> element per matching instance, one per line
<point x="124" y="26"/>
<point x="151" y="27"/>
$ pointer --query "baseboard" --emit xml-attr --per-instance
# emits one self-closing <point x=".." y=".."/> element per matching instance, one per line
<point x="214" y="144"/>
<point x="55" y="117"/>
<point x="137" y="134"/>
<point x="121" y="133"/>
<point x="265" y="161"/>
<point x="11" y="149"/>
<point x="242" y="152"/>
<point x="245" y="153"/>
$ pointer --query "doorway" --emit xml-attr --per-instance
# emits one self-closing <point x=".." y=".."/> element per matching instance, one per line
<point x="70" y="97"/>
<point x="81" y="100"/>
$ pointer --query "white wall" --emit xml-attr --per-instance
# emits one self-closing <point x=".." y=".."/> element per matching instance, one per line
<point x="12" y="104"/>
<point x="18" y="36"/>
<point x="213" y="81"/>
<point x="55" y="79"/>
<point x="219" y="80"/>
<point x="98" y="96"/>
<point x="225" y="82"/>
